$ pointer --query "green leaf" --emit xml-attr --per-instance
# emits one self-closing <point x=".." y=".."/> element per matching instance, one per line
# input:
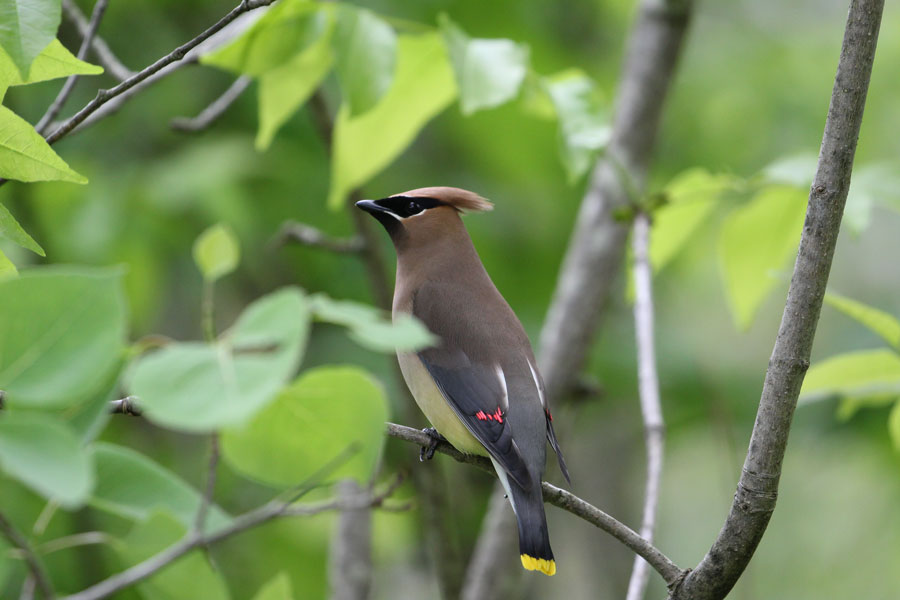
<point x="850" y="405"/>
<point x="879" y="322"/>
<point x="872" y="185"/>
<point x="11" y="230"/>
<point x="369" y="328"/>
<point x="203" y="387"/>
<point x="131" y="485"/>
<point x="488" y="72"/>
<point x="583" y="119"/>
<point x="313" y="421"/>
<point x="756" y="240"/>
<point x="894" y="425"/>
<point x="46" y="456"/>
<point x="277" y="588"/>
<point x="53" y="62"/>
<point x="363" y="146"/>
<point x="26" y="27"/>
<point x="7" y="268"/>
<point x="26" y="156"/>
<point x="217" y="252"/>
<point x="284" y="30"/>
<point x="366" y="49"/>
<point x="190" y="576"/>
<point x="62" y="333"/>
<point x="797" y="170"/>
<point x="860" y="373"/>
<point x="285" y="88"/>
<point x="692" y="198"/>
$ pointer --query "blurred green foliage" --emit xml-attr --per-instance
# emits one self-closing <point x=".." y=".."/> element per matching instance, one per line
<point x="741" y="128"/>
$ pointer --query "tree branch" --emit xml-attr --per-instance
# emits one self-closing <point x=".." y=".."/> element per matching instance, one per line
<point x="596" y="249"/>
<point x="35" y="567"/>
<point x="216" y="109"/>
<point x="206" y="500"/>
<point x="106" y="57"/>
<point x="648" y="385"/>
<point x="69" y="85"/>
<point x="350" y="556"/>
<point x="104" y="96"/>
<point x="239" y="524"/>
<point x="558" y="497"/>
<point x="307" y="235"/>
<point x="125" y="406"/>
<point x="757" y="489"/>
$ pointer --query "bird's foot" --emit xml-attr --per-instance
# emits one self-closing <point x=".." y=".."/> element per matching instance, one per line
<point x="427" y="452"/>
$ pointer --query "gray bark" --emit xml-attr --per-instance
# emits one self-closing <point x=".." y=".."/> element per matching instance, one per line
<point x="757" y="489"/>
<point x="350" y="560"/>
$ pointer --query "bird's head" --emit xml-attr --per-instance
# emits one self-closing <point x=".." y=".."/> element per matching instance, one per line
<point x="424" y="215"/>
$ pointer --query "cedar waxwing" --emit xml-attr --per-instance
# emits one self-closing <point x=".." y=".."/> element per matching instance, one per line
<point x="479" y="386"/>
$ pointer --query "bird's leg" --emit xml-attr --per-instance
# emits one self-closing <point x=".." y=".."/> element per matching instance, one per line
<point x="427" y="452"/>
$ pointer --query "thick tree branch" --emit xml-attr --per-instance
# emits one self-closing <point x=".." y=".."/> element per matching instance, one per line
<point x="596" y="248"/>
<point x="757" y="489"/>
<point x="60" y="100"/>
<point x="106" y="57"/>
<point x="350" y="555"/>
<point x="648" y="384"/>
<point x="216" y="109"/>
<point x="35" y="567"/>
<point x="104" y="96"/>
<point x="558" y="497"/>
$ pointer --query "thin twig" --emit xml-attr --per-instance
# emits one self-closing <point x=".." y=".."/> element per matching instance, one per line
<point x="216" y="109"/>
<point x="104" y="96"/>
<point x="106" y="57"/>
<point x="126" y="406"/>
<point x="206" y="500"/>
<point x="87" y="538"/>
<point x="648" y="385"/>
<point x="196" y="539"/>
<point x="28" y="587"/>
<point x="757" y="489"/>
<point x="35" y="567"/>
<point x="567" y="501"/>
<point x="66" y="91"/>
<point x="307" y="235"/>
<point x="222" y="37"/>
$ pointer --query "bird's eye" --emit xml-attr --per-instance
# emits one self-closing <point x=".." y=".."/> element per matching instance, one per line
<point x="413" y="207"/>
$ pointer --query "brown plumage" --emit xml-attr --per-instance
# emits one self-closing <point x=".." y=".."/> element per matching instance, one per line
<point x="480" y="386"/>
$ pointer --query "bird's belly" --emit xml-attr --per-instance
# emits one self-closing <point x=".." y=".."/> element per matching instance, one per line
<point x="435" y="406"/>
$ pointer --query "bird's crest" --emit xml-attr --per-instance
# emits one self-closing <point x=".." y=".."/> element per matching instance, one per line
<point x="461" y="200"/>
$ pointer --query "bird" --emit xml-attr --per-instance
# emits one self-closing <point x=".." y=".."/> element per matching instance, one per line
<point x="479" y="385"/>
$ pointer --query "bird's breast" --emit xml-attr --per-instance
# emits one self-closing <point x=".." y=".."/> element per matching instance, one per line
<point x="432" y="402"/>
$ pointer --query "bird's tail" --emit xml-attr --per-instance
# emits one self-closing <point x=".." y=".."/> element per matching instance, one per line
<point x="534" y="541"/>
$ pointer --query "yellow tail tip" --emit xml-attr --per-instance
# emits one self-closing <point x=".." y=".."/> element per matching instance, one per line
<point x="548" y="567"/>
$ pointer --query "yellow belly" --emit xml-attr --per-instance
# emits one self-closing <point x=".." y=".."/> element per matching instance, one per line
<point x="435" y="407"/>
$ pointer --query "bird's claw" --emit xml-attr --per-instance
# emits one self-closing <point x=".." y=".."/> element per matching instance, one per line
<point x="427" y="452"/>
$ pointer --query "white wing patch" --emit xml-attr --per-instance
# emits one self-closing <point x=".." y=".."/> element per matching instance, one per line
<point x="537" y="384"/>
<point x="502" y="379"/>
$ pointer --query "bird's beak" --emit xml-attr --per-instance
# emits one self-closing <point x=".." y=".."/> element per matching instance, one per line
<point x="370" y="207"/>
